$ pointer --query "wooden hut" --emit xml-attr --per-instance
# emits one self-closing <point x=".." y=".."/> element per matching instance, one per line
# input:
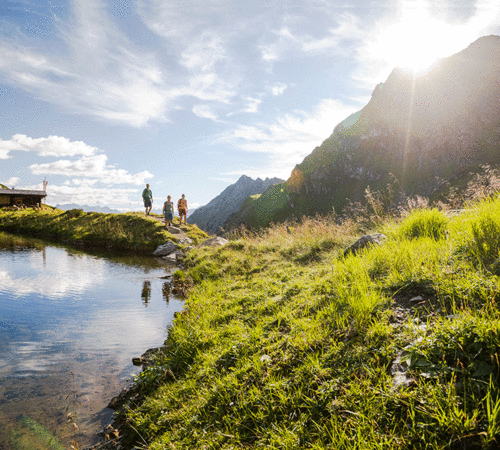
<point x="20" y="197"/>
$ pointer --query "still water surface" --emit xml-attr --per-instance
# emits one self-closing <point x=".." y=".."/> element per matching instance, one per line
<point x="70" y="323"/>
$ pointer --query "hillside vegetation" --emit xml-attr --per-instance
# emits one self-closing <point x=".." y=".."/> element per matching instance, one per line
<point x="285" y="343"/>
<point x="129" y="231"/>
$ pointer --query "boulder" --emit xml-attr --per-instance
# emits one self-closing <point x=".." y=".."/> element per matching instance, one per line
<point x="165" y="249"/>
<point x="216" y="241"/>
<point x="365" y="241"/>
<point x="174" y="230"/>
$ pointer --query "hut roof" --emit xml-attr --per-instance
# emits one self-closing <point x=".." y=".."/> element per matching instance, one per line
<point x="22" y="192"/>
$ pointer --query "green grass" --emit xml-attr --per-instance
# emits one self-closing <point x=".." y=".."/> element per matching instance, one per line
<point x="129" y="231"/>
<point x="284" y="343"/>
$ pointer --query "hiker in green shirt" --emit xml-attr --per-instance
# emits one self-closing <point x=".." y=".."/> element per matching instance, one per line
<point x="147" y="196"/>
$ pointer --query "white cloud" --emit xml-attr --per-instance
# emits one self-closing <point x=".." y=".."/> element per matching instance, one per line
<point x="348" y="28"/>
<point x="90" y="166"/>
<point x="11" y="182"/>
<point x="252" y="104"/>
<point x="204" y="52"/>
<point x="204" y="112"/>
<point x="278" y="89"/>
<point x="88" y="195"/>
<point x="49" y="146"/>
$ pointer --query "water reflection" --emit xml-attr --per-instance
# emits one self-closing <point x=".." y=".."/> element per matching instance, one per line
<point x="63" y="312"/>
<point x="166" y="290"/>
<point x="146" y="292"/>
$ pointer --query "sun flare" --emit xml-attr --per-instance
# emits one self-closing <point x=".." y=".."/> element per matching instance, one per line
<point x="416" y="39"/>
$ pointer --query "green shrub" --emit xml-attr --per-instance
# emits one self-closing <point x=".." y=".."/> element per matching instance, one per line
<point x="486" y="234"/>
<point x="74" y="213"/>
<point x="424" y="223"/>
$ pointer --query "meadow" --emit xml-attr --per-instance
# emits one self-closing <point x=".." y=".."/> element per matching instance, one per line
<point x="286" y="343"/>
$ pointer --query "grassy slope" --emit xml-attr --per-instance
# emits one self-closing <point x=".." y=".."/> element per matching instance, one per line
<point x="131" y="231"/>
<point x="285" y="343"/>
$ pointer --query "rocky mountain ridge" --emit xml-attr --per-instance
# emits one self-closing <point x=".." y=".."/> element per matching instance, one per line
<point x="212" y="216"/>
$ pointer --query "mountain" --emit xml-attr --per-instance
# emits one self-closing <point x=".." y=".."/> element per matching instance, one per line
<point x="426" y="131"/>
<point x="87" y="208"/>
<point x="212" y="216"/>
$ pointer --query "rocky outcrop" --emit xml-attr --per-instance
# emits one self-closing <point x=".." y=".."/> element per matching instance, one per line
<point x="212" y="216"/>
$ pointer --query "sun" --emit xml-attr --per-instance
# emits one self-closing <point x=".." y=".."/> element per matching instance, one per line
<point x="416" y="40"/>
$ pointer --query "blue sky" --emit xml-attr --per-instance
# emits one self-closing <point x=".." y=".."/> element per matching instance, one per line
<point x="101" y="97"/>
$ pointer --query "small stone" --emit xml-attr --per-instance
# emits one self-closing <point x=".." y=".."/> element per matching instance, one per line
<point x="418" y="298"/>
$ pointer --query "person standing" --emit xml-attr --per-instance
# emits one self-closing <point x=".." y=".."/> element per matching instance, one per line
<point x="182" y="208"/>
<point x="147" y="196"/>
<point x="168" y="210"/>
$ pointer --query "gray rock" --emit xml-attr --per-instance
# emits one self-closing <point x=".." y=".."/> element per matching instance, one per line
<point x="165" y="249"/>
<point x="184" y="240"/>
<point x="365" y="241"/>
<point x="216" y="241"/>
<point x="174" y="230"/>
<point x="172" y="257"/>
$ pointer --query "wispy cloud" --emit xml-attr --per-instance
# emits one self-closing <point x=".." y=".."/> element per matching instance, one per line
<point x="288" y="139"/>
<point x="96" y="70"/>
<point x="204" y="112"/>
<point x="291" y="134"/>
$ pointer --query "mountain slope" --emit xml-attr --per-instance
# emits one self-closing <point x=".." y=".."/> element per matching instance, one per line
<point x="424" y="130"/>
<point x="212" y="216"/>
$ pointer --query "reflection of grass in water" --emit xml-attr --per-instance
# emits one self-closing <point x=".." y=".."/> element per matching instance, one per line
<point x="20" y="439"/>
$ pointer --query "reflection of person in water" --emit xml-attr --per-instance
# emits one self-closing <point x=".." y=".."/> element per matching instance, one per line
<point x="166" y="291"/>
<point x="146" y="292"/>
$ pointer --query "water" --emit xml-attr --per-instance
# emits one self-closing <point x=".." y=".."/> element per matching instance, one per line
<point x="70" y="323"/>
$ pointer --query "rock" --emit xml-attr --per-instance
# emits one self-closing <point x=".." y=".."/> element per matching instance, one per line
<point x="174" y="230"/>
<point x="165" y="249"/>
<point x="145" y="358"/>
<point x="216" y="241"/>
<point x="173" y="257"/>
<point x="418" y="298"/>
<point x="365" y="241"/>
<point x="184" y="240"/>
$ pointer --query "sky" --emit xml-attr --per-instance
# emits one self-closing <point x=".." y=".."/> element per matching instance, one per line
<point x="100" y="97"/>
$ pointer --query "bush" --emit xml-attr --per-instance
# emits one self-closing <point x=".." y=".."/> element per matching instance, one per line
<point x="74" y="213"/>
<point x="424" y="223"/>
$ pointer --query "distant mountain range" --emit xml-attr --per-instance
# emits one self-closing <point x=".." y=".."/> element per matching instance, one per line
<point x="213" y="215"/>
<point x="426" y="131"/>
<point x="87" y="208"/>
